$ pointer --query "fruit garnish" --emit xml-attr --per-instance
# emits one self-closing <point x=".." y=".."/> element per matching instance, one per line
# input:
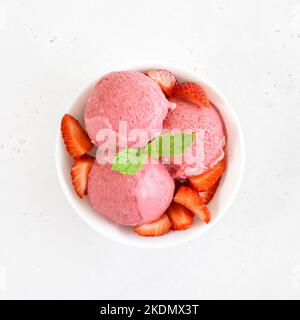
<point x="204" y="214"/>
<point x="155" y="228"/>
<point x="181" y="218"/>
<point x="76" y="139"/>
<point x="164" y="78"/>
<point x="80" y="173"/>
<point x="190" y="199"/>
<point x="191" y="92"/>
<point x="209" y="194"/>
<point x="209" y="178"/>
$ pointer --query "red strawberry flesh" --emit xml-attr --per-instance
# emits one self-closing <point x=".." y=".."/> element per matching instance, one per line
<point x="209" y="178"/>
<point x="165" y="79"/>
<point x="80" y="172"/>
<point x="75" y="137"/>
<point x="156" y="228"/>
<point x="190" y="199"/>
<point x="191" y="92"/>
<point x="181" y="217"/>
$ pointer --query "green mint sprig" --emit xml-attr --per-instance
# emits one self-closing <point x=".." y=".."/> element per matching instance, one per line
<point x="130" y="161"/>
<point x="170" y="145"/>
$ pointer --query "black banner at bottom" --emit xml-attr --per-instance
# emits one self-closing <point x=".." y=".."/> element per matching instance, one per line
<point x="131" y="309"/>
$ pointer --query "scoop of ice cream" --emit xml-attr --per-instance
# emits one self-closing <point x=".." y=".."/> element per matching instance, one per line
<point x="206" y="119"/>
<point x="126" y="96"/>
<point x="130" y="200"/>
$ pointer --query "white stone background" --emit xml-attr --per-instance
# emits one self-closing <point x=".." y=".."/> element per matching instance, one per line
<point x="50" y="50"/>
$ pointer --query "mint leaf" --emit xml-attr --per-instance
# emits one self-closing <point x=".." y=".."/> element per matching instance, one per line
<point x="129" y="161"/>
<point x="170" y="145"/>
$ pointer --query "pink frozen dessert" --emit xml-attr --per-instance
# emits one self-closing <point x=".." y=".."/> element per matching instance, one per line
<point x="187" y="115"/>
<point x="126" y="96"/>
<point x="130" y="200"/>
<point x="143" y="195"/>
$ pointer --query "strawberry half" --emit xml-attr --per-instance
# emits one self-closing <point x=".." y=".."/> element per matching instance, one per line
<point x="76" y="139"/>
<point x="181" y="218"/>
<point x="190" y="199"/>
<point x="80" y="173"/>
<point x="155" y="228"/>
<point x="164" y="78"/>
<point x="209" y="178"/>
<point x="191" y="92"/>
<point x="209" y="194"/>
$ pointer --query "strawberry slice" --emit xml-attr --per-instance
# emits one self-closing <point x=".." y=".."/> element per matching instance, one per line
<point x="76" y="139"/>
<point x="181" y="217"/>
<point x="164" y="78"/>
<point x="190" y="199"/>
<point x="204" y="214"/>
<point x="191" y="92"/>
<point x="209" y="194"/>
<point x="80" y="172"/>
<point x="155" y="228"/>
<point x="209" y="178"/>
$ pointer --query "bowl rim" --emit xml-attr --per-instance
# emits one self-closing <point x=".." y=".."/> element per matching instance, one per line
<point x="185" y="238"/>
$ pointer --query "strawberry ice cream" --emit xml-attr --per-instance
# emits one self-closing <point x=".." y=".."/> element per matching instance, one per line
<point x="190" y="116"/>
<point x="126" y="96"/>
<point x="130" y="200"/>
<point x="124" y="116"/>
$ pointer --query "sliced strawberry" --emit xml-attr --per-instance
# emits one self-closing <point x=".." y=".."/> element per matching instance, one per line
<point x="209" y="178"/>
<point x="76" y="139"/>
<point x="155" y="228"/>
<point x="181" y="217"/>
<point x="204" y="214"/>
<point x="190" y="199"/>
<point x="209" y="194"/>
<point x="80" y="172"/>
<point x="192" y="92"/>
<point x="164" y="78"/>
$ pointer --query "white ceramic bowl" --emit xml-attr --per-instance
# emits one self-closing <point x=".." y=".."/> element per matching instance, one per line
<point x="222" y="200"/>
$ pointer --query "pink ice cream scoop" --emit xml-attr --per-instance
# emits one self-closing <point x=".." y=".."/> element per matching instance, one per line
<point x="189" y="116"/>
<point x="126" y="96"/>
<point x="130" y="200"/>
